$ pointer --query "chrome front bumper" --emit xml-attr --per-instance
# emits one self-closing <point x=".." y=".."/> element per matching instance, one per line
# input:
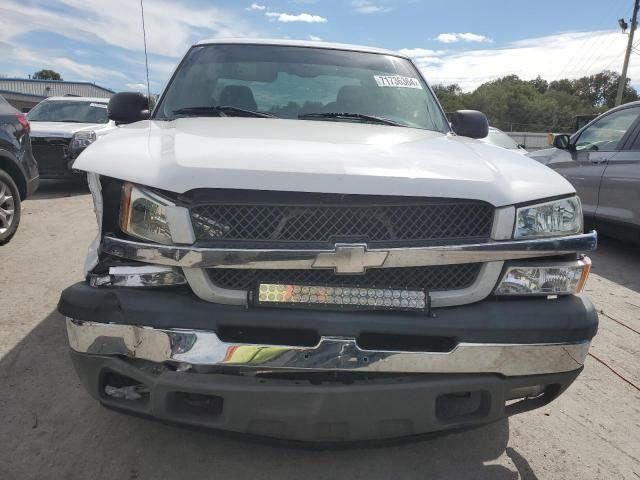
<point x="204" y="348"/>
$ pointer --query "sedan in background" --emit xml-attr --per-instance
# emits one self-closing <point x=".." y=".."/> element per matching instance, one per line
<point x="602" y="161"/>
<point x="500" y="139"/>
<point x="62" y="127"/>
<point x="18" y="169"/>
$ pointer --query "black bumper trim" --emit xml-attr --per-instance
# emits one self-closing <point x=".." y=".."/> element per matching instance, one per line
<point x="535" y="320"/>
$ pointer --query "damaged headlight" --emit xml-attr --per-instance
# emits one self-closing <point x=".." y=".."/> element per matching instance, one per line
<point x="143" y="214"/>
<point x="558" y="217"/>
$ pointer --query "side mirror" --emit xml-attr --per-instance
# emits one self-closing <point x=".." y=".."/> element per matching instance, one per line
<point x="470" y="123"/>
<point x="561" y="141"/>
<point x="521" y="146"/>
<point x="128" y="107"/>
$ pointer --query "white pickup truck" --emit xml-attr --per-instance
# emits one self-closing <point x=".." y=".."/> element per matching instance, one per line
<point x="296" y="244"/>
<point x="61" y="128"/>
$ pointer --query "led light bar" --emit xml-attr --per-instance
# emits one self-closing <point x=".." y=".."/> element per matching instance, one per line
<point x="347" y="298"/>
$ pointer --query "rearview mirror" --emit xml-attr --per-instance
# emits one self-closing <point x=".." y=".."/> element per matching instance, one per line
<point x="561" y="141"/>
<point x="470" y="123"/>
<point x="128" y="107"/>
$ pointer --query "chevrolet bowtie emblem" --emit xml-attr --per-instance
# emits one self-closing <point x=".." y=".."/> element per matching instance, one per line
<point x="350" y="258"/>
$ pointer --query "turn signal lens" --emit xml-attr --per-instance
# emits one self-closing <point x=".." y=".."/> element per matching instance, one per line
<point x="545" y="279"/>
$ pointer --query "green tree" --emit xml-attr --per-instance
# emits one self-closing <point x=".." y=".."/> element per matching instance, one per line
<point x="450" y="96"/>
<point x="598" y="90"/>
<point x="45" y="74"/>
<point x="511" y="103"/>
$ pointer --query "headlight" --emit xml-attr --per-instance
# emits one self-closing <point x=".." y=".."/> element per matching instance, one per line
<point x="80" y="141"/>
<point x="143" y="214"/>
<point x="545" y="279"/>
<point x="558" y="217"/>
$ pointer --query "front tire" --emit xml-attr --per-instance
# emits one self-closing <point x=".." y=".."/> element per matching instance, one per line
<point x="10" y="207"/>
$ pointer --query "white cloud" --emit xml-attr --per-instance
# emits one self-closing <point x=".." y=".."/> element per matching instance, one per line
<point x="31" y="58"/>
<point x="171" y="27"/>
<point x="420" y="52"/>
<point x="564" y="55"/>
<point x="367" y="7"/>
<point x="136" y="86"/>
<point x="314" y="38"/>
<point x="96" y="26"/>
<point x="255" y="6"/>
<point x="302" y="17"/>
<point x="462" y="37"/>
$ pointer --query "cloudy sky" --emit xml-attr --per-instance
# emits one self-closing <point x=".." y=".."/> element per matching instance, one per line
<point x="459" y="41"/>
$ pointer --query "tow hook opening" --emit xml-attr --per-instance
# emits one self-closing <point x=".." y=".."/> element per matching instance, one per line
<point x="122" y="389"/>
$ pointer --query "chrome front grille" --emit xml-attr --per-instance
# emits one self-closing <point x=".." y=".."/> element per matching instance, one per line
<point x="281" y="221"/>
<point x="372" y="220"/>
<point x="436" y="278"/>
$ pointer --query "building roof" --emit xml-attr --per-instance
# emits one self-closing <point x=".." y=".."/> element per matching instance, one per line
<point x="300" y="43"/>
<point x="48" y="88"/>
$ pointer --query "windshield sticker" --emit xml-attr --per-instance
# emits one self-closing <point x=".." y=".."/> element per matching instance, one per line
<point x="99" y="105"/>
<point x="397" y="81"/>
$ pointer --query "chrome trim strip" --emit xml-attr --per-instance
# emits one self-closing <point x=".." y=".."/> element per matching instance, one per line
<point x="204" y="348"/>
<point x="192" y="257"/>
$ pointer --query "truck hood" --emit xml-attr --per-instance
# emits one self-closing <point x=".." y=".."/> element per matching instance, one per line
<point x="317" y="156"/>
<point x="63" y="129"/>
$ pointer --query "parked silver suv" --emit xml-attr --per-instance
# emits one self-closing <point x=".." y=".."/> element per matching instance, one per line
<point x="602" y="161"/>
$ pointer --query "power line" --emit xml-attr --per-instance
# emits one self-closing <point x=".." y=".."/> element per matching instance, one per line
<point x="597" y="56"/>
<point x="575" y="59"/>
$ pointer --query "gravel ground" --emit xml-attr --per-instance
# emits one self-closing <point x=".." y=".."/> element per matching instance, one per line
<point x="51" y="429"/>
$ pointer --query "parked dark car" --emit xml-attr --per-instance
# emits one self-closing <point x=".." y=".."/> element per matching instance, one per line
<point x="602" y="161"/>
<point x="18" y="169"/>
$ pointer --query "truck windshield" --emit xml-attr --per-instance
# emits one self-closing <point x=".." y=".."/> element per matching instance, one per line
<point x="69" y="111"/>
<point x="300" y="83"/>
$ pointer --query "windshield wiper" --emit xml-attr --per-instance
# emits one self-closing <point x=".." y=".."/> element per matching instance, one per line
<point x="355" y="116"/>
<point x="216" y="110"/>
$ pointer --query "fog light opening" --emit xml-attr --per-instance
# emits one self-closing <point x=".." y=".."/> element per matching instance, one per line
<point x="195" y="406"/>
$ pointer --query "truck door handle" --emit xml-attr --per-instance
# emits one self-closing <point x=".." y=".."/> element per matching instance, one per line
<point x="598" y="162"/>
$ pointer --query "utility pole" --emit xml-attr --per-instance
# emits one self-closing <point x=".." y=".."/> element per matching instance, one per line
<point x="625" y="66"/>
